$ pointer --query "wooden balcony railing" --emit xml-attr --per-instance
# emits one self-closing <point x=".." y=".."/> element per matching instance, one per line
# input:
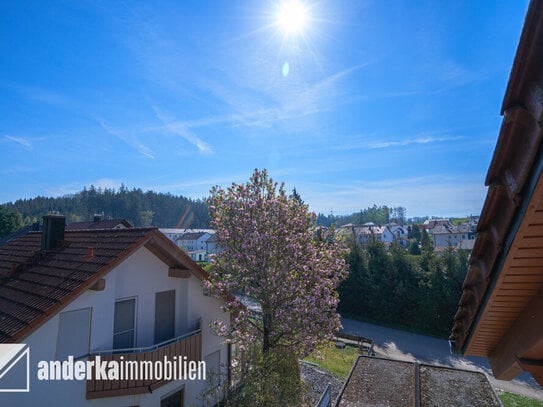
<point x="175" y="350"/>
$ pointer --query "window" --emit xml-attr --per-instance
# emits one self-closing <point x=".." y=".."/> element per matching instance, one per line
<point x="124" y="324"/>
<point x="73" y="333"/>
<point x="173" y="400"/>
<point x="164" y="316"/>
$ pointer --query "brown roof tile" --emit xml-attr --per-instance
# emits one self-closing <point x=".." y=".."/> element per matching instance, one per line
<point x="35" y="284"/>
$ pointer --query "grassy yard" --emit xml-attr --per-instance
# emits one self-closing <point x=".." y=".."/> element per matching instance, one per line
<point x="337" y="361"/>
<point x="514" y="400"/>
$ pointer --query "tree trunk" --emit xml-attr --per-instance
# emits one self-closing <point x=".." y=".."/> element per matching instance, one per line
<point x="266" y="343"/>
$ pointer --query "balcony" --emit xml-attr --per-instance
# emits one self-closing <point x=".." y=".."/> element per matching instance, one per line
<point x="189" y="345"/>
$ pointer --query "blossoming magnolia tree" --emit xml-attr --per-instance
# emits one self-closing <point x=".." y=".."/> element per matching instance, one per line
<point x="272" y="254"/>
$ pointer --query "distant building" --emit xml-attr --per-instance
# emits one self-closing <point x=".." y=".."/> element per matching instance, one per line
<point x="369" y="232"/>
<point x="212" y="245"/>
<point x="430" y="224"/>
<point x="174" y="233"/>
<point x="193" y="241"/>
<point x="99" y="223"/>
<point x="446" y="235"/>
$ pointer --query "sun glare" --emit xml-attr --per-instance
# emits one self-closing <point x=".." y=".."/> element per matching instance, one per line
<point x="292" y="17"/>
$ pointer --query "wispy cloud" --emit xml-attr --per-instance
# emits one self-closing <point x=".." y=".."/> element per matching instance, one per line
<point x="135" y="144"/>
<point x="20" y="140"/>
<point x="180" y="130"/>
<point x="406" y="142"/>
<point x="260" y="110"/>
<point x="321" y="96"/>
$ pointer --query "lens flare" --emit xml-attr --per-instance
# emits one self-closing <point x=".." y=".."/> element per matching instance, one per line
<point x="286" y="69"/>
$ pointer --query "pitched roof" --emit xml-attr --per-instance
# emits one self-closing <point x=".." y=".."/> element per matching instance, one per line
<point x="99" y="224"/>
<point x="449" y="229"/>
<point x="213" y="238"/>
<point x="36" y="284"/>
<point x="500" y="310"/>
<point x="18" y="233"/>
<point x="432" y="223"/>
<point x="369" y="230"/>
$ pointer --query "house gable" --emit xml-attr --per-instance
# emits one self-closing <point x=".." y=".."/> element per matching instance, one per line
<point x="36" y="284"/>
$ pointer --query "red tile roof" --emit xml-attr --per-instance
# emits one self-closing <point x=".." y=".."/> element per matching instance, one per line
<point x="512" y="179"/>
<point x="34" y="284"/>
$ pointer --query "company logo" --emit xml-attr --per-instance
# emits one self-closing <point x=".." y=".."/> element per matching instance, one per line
<point x="175" y="368"/>
<point x="14" y="368"/>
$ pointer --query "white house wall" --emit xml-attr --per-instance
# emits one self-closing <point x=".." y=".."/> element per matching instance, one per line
<point x="141" y="275"/>
<point x="443" y="240"/>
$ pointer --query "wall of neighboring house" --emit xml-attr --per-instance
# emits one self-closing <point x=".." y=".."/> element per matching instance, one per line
<point x="212" y="247"/>
<point x="194" y="244"/>
<point x="443" y="239"/>
<point x="387" y="236"/>
<point x="140" y="276"/>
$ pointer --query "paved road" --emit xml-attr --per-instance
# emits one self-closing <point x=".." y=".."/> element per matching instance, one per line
<point x="408" y="346"/>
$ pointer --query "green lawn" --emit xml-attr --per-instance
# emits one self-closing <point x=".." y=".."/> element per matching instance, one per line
<point x="514" y="400"/>
<point x="337" y="361"/>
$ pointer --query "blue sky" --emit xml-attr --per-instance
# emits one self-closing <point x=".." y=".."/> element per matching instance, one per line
<point x="382" y="102"/>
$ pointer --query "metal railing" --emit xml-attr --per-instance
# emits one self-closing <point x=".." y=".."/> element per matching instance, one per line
<point x="151" y="347"/>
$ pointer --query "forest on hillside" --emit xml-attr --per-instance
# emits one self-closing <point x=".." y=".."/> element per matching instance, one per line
<point x="138" y="207"/>
<point x="159" y="209"/>
<point x="378" y="214"/>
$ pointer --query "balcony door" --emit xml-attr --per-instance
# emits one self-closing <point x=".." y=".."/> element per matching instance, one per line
<point x="124" y="324"/>
<point x="164" y="316"/>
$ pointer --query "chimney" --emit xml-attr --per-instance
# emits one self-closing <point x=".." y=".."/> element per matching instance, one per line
<point x="97" y="217"/>
<point x="53" y="231"/>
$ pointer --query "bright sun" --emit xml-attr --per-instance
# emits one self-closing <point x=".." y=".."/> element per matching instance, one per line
<point x="292" y="17"/>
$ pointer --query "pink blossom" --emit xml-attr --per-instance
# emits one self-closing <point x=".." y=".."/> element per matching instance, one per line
<point x="272" y="254"/>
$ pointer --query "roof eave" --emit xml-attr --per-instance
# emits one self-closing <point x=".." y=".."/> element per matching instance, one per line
<point x="511" y="180"/>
